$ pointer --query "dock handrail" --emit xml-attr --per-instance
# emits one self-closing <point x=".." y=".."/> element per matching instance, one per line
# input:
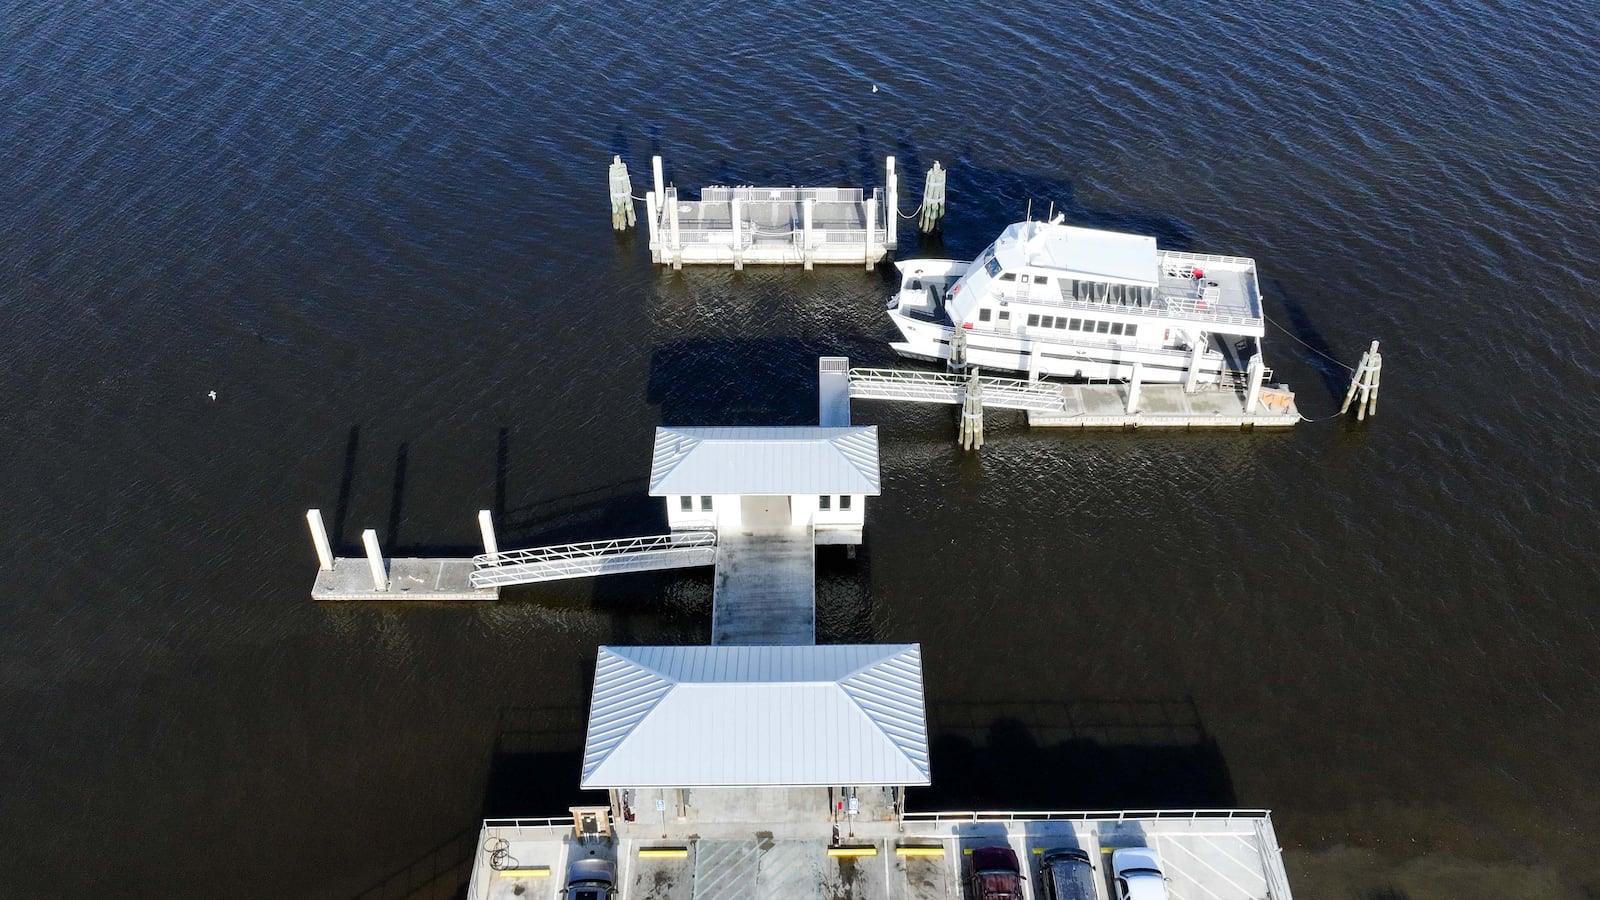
<point x="1084" y="816"/>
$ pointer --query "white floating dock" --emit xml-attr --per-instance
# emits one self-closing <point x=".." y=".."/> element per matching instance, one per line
<point x="411" y="580"/>
<point x="783" y="226"/>
<point x="1103" y="405"/>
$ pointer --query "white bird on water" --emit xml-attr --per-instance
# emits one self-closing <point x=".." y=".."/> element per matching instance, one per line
<point x="874" y="89"/>
<point x="212" y="395"/>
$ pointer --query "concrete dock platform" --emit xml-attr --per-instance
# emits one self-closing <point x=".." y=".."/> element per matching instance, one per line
<point x="765" y="591"/>
<point x="1165" y="406"/>
<point x="410" y="580"/>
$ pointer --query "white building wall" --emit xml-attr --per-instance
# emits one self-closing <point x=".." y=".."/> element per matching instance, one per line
<point x="806" y="508"/>
<point x="694" y="518"/>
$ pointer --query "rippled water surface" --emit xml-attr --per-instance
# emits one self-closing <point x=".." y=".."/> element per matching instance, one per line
<point x="379" y="233"/>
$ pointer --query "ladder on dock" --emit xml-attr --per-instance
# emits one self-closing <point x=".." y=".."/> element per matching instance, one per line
<point x="936" y="387"/>
<point x="642" y="554"/>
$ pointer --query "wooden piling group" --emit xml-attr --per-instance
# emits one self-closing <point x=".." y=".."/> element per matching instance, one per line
<point x="1364" y="384"/>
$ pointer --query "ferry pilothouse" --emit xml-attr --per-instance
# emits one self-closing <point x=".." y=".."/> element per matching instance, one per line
<point x="1055" y="299"/>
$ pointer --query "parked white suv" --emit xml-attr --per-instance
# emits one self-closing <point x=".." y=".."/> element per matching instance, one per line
<point x="1138" y="874"/>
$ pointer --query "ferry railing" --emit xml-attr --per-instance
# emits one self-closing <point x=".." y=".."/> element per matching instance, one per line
<point x="683" y="540"/>
<point x="1119" y="815"/>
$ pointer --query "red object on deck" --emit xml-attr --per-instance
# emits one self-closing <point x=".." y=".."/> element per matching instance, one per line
<point x="1199" y="273"/>
<point x="967" y="325"/>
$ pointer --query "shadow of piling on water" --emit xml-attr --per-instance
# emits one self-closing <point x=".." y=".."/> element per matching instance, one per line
<point x="1088" y="754"/>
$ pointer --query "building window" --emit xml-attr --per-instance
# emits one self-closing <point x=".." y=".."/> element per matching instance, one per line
<point x="686" y="503"/>
<point x="983" y="315"/>
<point x="705" y="504"/>
<point x="824" y="503"/>
<point x="1033" y="320"/>
<point x="844" y="503"/>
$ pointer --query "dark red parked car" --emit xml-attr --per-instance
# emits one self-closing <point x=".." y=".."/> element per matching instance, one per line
<point x="995" y="874"/>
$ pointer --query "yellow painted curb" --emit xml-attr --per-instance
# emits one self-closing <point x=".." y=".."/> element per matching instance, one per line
<point x="852" y="851"/>
<point x="525" y="872"/>
<point x="663" y="852"/>
<point x="919" y="851"/>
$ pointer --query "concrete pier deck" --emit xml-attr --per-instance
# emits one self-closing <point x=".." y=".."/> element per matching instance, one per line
<point x="410" y="580"/>
<point x="1224" y="854"/>
<point x="765" y="591"/>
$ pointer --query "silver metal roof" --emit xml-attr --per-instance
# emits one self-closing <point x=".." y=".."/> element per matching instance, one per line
<point x="770" y="461"/>
<point x="1086" y="253"/>
<point x="725" y="716"/>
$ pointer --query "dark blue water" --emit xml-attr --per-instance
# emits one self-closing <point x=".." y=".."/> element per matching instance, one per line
<point x="379" y="232"/>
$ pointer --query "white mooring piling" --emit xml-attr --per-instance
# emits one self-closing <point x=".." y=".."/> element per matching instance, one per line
<point x="380" y="575"/>
<point x="319" y="537"/>
<point x="891" y="208"/>
<point x="1135" y="381"/>
<point x="491" y="547"/>
<point x="1253" y="373"/>
<point x="622" y="215"/>
<point x="932" y="199"/>
<point x="1365" y="383"/>
<point x="872" y="217"/>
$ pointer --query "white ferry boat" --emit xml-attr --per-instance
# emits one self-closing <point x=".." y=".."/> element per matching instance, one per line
<point x="1055" y="299"/>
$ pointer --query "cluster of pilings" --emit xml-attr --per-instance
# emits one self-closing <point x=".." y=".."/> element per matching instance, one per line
<point x="1364" y="384"/>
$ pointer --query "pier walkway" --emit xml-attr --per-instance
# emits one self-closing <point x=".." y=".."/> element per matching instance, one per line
<point x="643" y="554"/>
<point x="765" y="588"/>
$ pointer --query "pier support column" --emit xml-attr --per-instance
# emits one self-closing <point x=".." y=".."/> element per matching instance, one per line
<point x="872" y="221"/>
<point x="319" y="537"/>
<point x="1191" y="380"/>
<point x="652" y="209"/>
<point x="891" y="208"/>
<point x="1035" y="359"/>
<point x="1134" y="382"/>
<point x="1253" y="373"/>
<point x="491" y="547"/>
<point x="736" y="209"/>
<point x="380" y="577"/>
<point x="655" y="169"/>
<point x="807" y="215"/>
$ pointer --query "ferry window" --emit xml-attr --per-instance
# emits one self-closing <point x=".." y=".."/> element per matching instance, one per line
<point x="983" y="315"/>
<point x="1061" y="322"/>
<point x="1009" y="276"/>
<point x="1024" y="279"/>
<point x="1102" y="327"/>
<point x="916" y="284"/>
<point x="1033" y="320"/>
<point x="705" y="504"/>
<point x="824" y="502"/>
<point x="1116" y="328"/>
<point x="1005" y="315"/>
<point x="1076" y="325"/>
<point x="1041" y="279"/>
<point x="686" y="503"/>
<point x="992" y="266"/>
<point x="844" y="502"/>
<point x="1130" y="331"/>
<point x="1047" y="322"/>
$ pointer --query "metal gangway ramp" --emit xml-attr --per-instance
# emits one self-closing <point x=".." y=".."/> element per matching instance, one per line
<point x="937" y="387"/>
<point x="642" y="554"/>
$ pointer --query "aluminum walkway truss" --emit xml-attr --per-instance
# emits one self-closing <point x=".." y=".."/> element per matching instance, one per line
<point x="643" y="554"/>
<point x="934" y="387"/>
